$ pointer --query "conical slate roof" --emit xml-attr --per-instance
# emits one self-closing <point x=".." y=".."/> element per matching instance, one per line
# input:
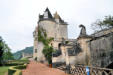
<point x="48" y="16"/>
<point x="56" y="16"/>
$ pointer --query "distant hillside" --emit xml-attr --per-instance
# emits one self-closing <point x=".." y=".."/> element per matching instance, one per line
<point x="18" y="54"/>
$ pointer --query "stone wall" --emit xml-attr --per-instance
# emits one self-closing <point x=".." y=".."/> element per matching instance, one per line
<point x="27" y="55"/>
<point x="101" y="49"/>
<point x="85" y="50"/>
<point x="53" y="29"/>
<point x="40" y="55"/>
<point x="49" y="27"/>
<point x="35" y="43"/>
<point x="63" y="31"/>
<point x="97" y="50"/>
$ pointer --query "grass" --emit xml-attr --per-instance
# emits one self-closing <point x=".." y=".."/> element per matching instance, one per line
<point x="24" y="59"/>
<point x="3" y="69"/>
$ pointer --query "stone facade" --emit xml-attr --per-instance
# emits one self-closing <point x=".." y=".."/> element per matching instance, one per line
<point x="54" y="27"/>
<point x="95" y="50"/>
<point x="27" y="55"/>
<point x="89" y="50"/>
<point x="101" y="48"/>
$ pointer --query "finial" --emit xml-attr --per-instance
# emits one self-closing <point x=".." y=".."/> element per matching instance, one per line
<point x="47" y="9"/>
<point x="56" y="15"/>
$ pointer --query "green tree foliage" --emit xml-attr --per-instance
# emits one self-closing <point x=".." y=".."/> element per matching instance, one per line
<point x="1" y="50"/>
<point x="5" y="51"/>
<point x="7" y="55"/>
<point x="107" y="22"/>
<point x="47" y="51"/>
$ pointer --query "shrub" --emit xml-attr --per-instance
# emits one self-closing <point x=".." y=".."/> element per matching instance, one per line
<point x="16" y="62"/>
<point x="16" y="70"/>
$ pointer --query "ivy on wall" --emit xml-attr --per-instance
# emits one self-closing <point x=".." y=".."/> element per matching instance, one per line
<point x="47" y="50"/>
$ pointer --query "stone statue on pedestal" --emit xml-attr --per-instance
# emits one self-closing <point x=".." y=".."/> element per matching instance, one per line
<point x="83" y="30"/>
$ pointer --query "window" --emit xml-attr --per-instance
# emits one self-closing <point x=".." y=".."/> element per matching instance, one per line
<point x="35" y="50"/>
<point x="46" y="15"/>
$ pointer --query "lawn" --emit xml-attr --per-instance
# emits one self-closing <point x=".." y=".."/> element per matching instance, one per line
<point x="3" y="70"/>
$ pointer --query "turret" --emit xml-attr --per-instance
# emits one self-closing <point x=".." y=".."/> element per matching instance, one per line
<point x="58" y="19"/>
<point x="46" y="16"/>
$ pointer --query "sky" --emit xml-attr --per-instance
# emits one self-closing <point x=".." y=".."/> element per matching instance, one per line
<point x="18" y="18"/>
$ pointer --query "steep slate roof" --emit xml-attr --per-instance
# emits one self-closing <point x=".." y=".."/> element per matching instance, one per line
<point x="49" y="13"/>
<point x="56" y="16"/>
<point x="50" y="17"/>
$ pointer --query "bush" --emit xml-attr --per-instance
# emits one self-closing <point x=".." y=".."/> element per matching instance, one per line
<point x="16" y="70"/>
<point x="11" y="71"/>
<point x="16" y="62"/>
<point x="47" y="51"/>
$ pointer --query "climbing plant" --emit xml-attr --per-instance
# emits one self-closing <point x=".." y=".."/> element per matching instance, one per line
<point x="1" y="50"/>
<point x="47" y="50"/>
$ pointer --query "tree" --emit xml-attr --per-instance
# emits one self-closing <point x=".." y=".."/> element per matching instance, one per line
<point x="47" y="51"/>
<point x="107" y="22"/>
<point x="7" y="55"/>
<point x="5" y="52"/>
<point x="1" y="50"/>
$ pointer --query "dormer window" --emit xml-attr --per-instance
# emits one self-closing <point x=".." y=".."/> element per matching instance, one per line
<point x="46" y="15"/>
<point x="57" y="20"/>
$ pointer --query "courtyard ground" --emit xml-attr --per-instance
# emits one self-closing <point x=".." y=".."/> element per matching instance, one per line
<point x="35" y="68"/>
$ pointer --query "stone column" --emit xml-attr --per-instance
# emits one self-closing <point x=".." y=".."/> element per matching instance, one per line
<point x="67" y="62"/>
<point x="63" y="51"/>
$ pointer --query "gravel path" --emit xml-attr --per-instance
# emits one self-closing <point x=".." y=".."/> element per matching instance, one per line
<point x="40" y="69"/>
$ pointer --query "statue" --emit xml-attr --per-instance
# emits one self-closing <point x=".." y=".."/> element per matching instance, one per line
<point x="63" y="41"/>
<point x="83" y="30"/>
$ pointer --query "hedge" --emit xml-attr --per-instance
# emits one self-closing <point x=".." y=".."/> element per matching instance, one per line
<point x="16" y="70"/>
<point x="16" y="62"/>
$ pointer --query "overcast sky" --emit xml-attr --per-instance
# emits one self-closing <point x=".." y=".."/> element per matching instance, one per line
<point x="18" y="18"/>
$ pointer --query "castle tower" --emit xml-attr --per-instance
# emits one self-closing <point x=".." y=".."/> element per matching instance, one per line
<point x="61" y="27"/>
<point x="54" y="27"/>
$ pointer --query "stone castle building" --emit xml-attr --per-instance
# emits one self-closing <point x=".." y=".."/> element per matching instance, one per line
<point x="91" y="50"/>
<point x="55" y="27"/>
<point x="27" y="55"/>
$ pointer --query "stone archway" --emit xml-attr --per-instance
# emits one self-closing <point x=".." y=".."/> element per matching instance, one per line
<point x="35" y="59"/>
<point x="59" y="46"/>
